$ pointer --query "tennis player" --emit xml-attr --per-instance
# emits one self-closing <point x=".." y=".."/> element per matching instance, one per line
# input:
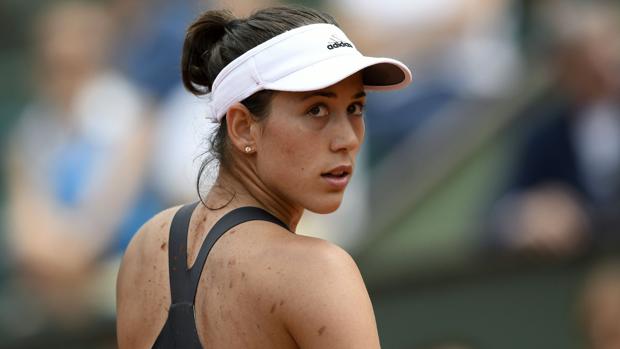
<point x="287" y="88"/>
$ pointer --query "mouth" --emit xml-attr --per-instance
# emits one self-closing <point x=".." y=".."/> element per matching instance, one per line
<point x="338" y="172"/>
<point x="338" y="177"/>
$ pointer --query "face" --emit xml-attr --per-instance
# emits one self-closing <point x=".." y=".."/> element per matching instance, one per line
<point x="306" y="148"/>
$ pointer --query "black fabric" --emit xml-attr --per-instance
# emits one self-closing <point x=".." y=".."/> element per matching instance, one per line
<point x="180" y="332"/>
<point x="550" y="156"/>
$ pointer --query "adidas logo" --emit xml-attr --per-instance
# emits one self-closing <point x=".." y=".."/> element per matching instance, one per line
<point x="336" y="42"/>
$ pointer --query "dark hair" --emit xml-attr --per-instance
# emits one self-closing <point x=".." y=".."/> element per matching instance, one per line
<point x="215" y="39"/>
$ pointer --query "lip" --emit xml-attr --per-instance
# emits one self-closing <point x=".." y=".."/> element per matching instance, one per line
<point x="338" y="182"/>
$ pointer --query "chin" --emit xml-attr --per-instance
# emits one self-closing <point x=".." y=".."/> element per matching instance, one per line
<point x="325" y="205"/>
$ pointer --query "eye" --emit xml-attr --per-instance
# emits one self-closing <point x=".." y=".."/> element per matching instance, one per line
<point x="356" y="109"/>
<point x="317" y="111"/>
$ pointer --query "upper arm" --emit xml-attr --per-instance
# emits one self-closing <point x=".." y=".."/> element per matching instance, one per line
<point x="331" y="307"/>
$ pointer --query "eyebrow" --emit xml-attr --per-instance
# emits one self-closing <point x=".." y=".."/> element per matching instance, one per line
<point x="330" y="94"/>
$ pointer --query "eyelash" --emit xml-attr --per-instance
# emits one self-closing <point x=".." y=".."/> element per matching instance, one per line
<point x="322" y="105"/>
<point x="361" y="108"/>
<point x="319" y="105"/>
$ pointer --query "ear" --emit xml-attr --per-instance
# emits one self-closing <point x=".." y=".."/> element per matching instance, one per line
<point x="240" y="122"/>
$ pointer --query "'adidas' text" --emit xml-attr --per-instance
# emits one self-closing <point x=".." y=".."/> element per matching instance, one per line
<point x="338" y="44"/>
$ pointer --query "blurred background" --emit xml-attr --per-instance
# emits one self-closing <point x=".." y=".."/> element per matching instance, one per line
<point x="485" y="213"/>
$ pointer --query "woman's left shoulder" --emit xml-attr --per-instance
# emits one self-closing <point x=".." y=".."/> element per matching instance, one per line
<point x="327" y="302"/>
<point x="315" y="265"/>
<point x="294" y="251"/>
<point x="321" y="254"/>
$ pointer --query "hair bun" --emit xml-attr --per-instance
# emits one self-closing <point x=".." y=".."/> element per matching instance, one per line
<point x="200" y="40"/>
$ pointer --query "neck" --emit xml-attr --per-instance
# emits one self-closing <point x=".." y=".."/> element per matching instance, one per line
<point x="239" y="187"/>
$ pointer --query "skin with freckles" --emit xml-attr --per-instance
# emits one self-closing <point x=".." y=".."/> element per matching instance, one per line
<point x="262" y="286"/>
<point x="307" y="135"/>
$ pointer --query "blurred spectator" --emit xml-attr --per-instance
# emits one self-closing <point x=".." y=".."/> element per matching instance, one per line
<point x="567" y="185"/>
<point x="76" y="164"/>
<point x="446" y="43"/>
<point x="244" y="8"/>
<point x="182" y="134"/>
<point x="150" y="38"/>
<point x="600" y="306"/>
<point x="181" y="139"/>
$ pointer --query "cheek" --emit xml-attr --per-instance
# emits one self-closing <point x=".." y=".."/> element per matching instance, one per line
<point x="287" y="155"/>
<point x="290" y="159"/>
<point x="360" y="130"/>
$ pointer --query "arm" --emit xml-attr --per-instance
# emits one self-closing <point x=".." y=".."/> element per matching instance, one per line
<point x="65" y="240"/>
<point x="331" y="307"/>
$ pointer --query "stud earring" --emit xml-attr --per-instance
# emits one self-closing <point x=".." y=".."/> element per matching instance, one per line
<point x="248" y="149"/>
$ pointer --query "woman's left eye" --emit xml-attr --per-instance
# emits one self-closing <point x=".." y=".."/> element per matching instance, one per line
<point x="356" y="109"/>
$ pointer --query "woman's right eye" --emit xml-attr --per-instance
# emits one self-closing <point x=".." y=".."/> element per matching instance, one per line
<point x="318" y="110"/>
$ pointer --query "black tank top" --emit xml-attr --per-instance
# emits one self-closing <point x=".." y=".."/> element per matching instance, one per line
<point x="180" y="331"/>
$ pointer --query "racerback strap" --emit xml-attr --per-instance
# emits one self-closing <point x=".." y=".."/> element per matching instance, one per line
<point x="180" y="332"/>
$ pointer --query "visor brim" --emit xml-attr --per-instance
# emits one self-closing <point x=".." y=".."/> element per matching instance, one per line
<point x="378" y="74"/>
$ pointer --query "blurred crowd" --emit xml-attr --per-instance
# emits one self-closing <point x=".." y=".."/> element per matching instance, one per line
<point x="104" y="141"/>
<point x="107" y="137"/>
<point x="565" y="193"/>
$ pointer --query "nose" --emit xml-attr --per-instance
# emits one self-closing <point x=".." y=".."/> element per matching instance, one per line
<point x="347" y="133"/>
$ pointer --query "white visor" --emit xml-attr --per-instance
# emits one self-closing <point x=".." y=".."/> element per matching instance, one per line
<point x="307" y="58"/>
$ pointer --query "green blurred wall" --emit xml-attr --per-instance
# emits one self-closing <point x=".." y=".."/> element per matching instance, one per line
<point x="429" y="279"/>
<point x="531" y="307"/>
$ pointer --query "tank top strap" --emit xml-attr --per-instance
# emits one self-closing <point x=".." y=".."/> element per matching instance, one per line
<point x="177" y="253"/>
<point x="180" y="330"/>
<point x="228" y="221"/>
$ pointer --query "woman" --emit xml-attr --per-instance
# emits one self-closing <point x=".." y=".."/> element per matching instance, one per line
<point x="287" y="87"/>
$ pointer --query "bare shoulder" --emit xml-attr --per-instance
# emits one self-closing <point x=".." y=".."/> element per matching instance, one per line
<point x="316" y="265"/>
<point x="292" y="253"/>
<point x="329" y="303"/>
<point x="287" y="261"/>
<point x="142" y="281"/>
<point x="154" y="233"/>
<point x="147" y="247"/>
<point x="317" y="256"/>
